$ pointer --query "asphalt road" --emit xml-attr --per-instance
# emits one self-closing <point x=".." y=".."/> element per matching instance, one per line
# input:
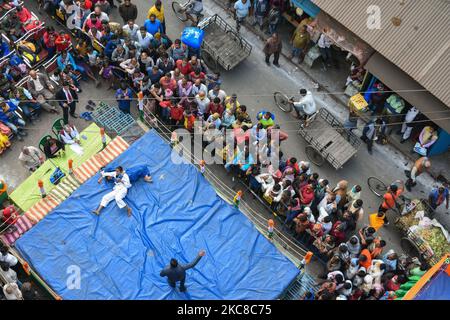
<point x="254" y="83"/>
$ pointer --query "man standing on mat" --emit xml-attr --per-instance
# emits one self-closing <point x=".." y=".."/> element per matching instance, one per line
<point x="177" y="272"/>
<point x="122" y="184"/>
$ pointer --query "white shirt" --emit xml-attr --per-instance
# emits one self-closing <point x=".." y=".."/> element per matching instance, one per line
<point x="69" y="138"/>
<point x="326" y="208"/>
<point x="9" y="259"/>
<point x="326" y="227"/>
<point x="69" y="95"/>
<point x="16" y="295"/>
<point x="37" y="84"/>
<point x="128" y="66"/>
<point x="411" y="115"/>
<point x="103" y="16"/>
<point x="132" y="33"/>
<point x="202" y="104"/>
<point x="324" y="41"/>
<point x="221" y="95"/>
<point x="10" y="276"/>
<point x="242" y="8"/>
<point x="97" y="35"/>
<point x="32" y="159"/>
<point x="196" y="90"/>
<point x="145" y="41"/>
<point x="125" y="181"/>
<point x="307" y="104"/>
<point x="197" y="6"/>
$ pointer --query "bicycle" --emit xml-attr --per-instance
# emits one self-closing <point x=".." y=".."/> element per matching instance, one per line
<point x="378" y="187"/>
<point x="184" y="12"/>
<point x="286" y="104"/>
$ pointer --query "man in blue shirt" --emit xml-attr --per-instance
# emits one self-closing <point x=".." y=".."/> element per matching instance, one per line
<point x="11" y="119"/>
<point x="153" y="25"/>
<point x="176" y="272"/>
<point x="123" y="97"/>
<point x="241" y="10"/>
<point x="438" y="196"/>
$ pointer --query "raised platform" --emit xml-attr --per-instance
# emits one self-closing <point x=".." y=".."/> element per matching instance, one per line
<point x="27" y="194"/>
<point x="178" y="214"/>
<point x="58" y="194"/>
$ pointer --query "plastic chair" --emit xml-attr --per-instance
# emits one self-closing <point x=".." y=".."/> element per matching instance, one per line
<point x="57" y="126"/>
<point x="42" y="142"/>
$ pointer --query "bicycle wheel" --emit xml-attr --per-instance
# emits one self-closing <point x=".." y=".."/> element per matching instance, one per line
<point x="314" y="156"/>
<point x="282" y="101"/>
<point x="410" y="248"/>
<point x="376" y="186"/>
<point x="179" y="11"/>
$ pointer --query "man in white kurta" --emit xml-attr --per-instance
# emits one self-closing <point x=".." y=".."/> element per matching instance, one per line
<point x="119" y="192"/>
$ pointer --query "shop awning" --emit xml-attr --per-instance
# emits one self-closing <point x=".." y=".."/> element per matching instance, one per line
<point x="306" y="5"/>
<point x="410" y="90"/>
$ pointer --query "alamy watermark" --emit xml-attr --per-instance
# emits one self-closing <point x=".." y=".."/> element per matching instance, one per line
<point x="374" y="17"/>
<point x="73" y="281"/>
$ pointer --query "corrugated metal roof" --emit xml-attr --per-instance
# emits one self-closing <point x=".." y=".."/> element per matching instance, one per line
<point x="419" y="45"/>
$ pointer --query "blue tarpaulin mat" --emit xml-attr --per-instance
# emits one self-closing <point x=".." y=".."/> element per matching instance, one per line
<point x="438" y="288"/>
<point x="120" y="257"/>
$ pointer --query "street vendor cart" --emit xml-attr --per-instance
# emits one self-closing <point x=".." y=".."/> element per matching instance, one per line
<point x="422" y="237"/>
<point x="328" y="141"/>
<point x="222" y="45"/>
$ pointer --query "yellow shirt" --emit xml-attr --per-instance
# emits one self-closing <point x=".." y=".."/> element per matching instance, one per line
<point x="159" y="14"/>
<point x="228" y="103"/>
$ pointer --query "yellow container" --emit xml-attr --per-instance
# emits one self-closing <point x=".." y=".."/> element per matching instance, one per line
<point x="358" y="102"/>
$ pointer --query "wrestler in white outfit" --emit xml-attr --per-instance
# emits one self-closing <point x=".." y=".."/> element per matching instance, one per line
<point x="119" y="191"/>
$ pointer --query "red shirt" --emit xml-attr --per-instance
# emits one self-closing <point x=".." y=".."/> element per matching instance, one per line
<point x="60" y="44"/>
<point x="10" y="215"/>
<point x="389" y="199"/>
<point x="48" y="42"/>
<point x="184" y="70"/>
<point x="214" y="108"/>
<point x="200" y="76"/>
<point x="308" y="196"/>
<point x="176" y="113"/>
<point x="24" y="15"/>
<point x="168" y="83"/>
<point x="165" y="104"/>
<point x="98" y="25"/>
<point x="339" y="235"/>
<point x="295" y="166"/>
<point x="87" y="4"/>
<point x="189" y="122"/>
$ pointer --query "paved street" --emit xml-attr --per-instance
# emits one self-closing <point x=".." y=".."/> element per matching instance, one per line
<point x="254" y="83"/>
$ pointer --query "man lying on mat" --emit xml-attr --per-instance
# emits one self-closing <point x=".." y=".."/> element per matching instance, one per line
<point x="134" y="173"/>
<point x="122" y="184"/>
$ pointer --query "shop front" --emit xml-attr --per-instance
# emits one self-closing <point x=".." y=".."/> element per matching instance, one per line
<point x="406" y="107"/>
